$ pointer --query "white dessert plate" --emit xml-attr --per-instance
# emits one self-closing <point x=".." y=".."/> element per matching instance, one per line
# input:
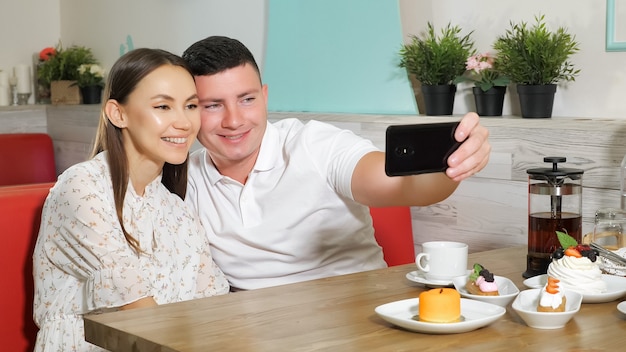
<point x="526" y="307"/>
<point x="475" y="315"/>
<point x="615" y="288"/>
<point x="611" y="267"/>
<point x="417" y="276"/>
<point x="506" y="290"/>
<point x="622" y="307"/>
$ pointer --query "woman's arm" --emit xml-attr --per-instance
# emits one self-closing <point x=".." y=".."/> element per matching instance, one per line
<point x="140" y="303"/>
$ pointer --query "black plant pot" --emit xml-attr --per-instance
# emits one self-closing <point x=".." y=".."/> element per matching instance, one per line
<point x="489" y="102"/>
<point x="91" y="94"/>
<point x="439" y="99"/>
<point x="536" y="100"/>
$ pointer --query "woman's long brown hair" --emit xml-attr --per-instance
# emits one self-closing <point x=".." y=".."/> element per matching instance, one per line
<point x="122" y="80"/>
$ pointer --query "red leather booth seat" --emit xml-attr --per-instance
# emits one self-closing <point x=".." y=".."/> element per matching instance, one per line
<point x="26" y="158"/>
<point x="20" y="215"/>
<point x="393" y="229"/>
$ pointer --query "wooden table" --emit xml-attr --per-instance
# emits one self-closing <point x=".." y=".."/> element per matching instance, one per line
<point x="337" y="314"/>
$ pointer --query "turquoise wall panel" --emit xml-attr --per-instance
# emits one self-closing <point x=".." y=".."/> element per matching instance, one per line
<point x="336" y="56"/>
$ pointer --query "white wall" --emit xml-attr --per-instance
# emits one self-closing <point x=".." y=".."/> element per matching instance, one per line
<point x="166" y="24"/>
<point x="599" y="89"/>
<point x="30" y="25"/>
<point x="27" y="26"/>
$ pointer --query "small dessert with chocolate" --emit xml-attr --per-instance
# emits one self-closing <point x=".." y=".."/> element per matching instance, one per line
<point x="551" y="299"/>
<point x="481" y="282"/>
<point x="440" y="305"/>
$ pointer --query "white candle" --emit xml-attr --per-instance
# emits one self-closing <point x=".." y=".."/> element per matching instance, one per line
<point x="22" y="72"/>
<point x="4" y="78"/>
<point x="5" y="94"/>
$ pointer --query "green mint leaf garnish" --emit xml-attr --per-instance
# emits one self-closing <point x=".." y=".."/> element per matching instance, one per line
<point x="476" y="273"/>
<point x="566" y="240"/>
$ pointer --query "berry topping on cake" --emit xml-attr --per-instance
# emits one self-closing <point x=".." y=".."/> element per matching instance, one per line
<point x="552" y="286"/>
<point x="479" y="270"/>
<point x="481" y="282"/>
<point x="551" y="299"/>
<point x="572" y="252"/>
<point x="571" y="248"/>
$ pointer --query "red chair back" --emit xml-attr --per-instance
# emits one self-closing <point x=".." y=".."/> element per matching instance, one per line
<point x="20" y="216"/>
<point x="26" y="158"/>
<point x="393" y="230"/>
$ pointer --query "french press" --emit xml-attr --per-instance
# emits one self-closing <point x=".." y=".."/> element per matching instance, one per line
<point x="554" y="204"/>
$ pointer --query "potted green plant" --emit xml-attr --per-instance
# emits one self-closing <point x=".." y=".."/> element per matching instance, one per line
<point x="536" y="59"/>
<point x="489" y="83"/>
<point x="60" y="72"/>
<point x="436" y="61"/>
<point x="90" y="80"/>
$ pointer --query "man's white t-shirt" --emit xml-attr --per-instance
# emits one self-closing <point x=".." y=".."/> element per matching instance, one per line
<point x="295" y="218"/>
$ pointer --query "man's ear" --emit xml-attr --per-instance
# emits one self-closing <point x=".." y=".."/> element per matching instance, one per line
<point x="115" y="113"/>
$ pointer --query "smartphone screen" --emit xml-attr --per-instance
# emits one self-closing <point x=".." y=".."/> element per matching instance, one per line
<point x="420" y="148"/>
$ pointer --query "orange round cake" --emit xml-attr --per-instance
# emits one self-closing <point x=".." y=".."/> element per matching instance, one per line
<point x="440" y="305"/>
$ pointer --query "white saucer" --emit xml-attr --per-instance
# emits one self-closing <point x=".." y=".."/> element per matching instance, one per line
<point x="615" y="285"/>
<point x="476" y="315"/>
<point x="622" y="307"/>
<point x="417" y="276"/>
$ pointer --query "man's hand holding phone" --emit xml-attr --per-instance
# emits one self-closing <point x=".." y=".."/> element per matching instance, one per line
<point x="419" y="148"/>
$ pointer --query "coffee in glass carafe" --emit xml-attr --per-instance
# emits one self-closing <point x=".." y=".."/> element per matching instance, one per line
<point x="554" y="204"/>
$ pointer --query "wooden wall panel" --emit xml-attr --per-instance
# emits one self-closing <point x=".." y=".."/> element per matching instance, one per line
<point x="23" y="118"/>
<point x="490" y="210"/>
<point x="487" y="211"/>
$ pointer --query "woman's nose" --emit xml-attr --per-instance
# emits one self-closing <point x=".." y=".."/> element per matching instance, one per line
<point x="184" y="119"/>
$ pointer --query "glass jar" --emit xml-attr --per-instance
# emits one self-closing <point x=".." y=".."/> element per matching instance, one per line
<point x="609" y="225"/>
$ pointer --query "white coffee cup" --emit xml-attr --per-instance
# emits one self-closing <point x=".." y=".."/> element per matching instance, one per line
<point x="442" y="260"/>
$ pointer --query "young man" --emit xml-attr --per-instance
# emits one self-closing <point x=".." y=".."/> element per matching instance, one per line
<point x="288" y="201"/>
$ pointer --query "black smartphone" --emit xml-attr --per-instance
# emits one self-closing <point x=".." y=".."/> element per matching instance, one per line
<point x="420" y="148"/>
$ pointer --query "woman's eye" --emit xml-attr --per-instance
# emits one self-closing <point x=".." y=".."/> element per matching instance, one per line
<point x="192" y="106"/>
<point x="162" y="107"/>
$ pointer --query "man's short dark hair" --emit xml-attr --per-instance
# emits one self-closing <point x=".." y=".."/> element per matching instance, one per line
<point x="216" y="54"/>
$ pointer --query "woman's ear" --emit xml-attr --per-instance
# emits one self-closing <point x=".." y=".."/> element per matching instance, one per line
<point x="115" y="113"/>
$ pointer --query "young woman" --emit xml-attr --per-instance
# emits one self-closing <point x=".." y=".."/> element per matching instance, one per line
<point x="115" y="232"/>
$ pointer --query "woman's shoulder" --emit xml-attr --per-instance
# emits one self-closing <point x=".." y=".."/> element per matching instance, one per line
<point x="90" y="173"/>
<point x="96" y="165"/>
